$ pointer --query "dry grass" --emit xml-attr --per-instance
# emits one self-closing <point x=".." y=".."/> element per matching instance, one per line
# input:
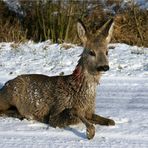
<point x="131" y="27"/>
<point x="57" y="20"/>
<point x="10" y="28"/>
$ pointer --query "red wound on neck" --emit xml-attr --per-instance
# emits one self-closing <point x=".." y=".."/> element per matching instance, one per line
<point x="78" y="74"/>
<point x="77" y="71"/>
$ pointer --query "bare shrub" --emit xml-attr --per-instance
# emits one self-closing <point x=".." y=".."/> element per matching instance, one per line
<point x="56" y="20"/>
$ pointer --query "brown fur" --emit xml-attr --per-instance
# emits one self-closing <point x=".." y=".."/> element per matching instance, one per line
<point x="63" y="100"/>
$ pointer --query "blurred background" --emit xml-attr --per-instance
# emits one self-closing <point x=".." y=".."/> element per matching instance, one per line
<point x="39" y="20"/>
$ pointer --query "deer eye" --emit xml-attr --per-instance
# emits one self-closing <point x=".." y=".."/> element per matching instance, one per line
<point x="106" y="52"/>
<point x="92" y="53"/>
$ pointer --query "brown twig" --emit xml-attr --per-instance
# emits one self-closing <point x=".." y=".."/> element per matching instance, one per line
<point x="137" y="24"/>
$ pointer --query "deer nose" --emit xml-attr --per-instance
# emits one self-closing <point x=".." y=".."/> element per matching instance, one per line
<point x="103" y="68"/>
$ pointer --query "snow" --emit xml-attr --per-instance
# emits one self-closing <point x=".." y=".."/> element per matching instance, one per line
<point x="14" y="5"/>
<point x="128" y="60"/>
<point x="53" y="59"/>
<point x="122" y="96"/>
<point x="142" y="3"/>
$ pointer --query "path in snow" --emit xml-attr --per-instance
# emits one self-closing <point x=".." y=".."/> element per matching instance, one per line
<point x="125" y="99"/>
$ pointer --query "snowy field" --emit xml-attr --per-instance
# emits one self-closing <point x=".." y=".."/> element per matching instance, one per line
<point x="122" y="95"/>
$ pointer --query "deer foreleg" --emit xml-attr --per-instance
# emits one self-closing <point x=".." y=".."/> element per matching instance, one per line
<point x="56" y="111"/>
<point x="90" y="129"/>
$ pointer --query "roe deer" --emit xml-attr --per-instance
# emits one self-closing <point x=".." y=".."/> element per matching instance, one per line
<point x="64" y="100"/>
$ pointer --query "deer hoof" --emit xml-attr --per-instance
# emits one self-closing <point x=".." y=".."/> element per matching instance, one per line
<point x="111" y="122"/>
<point x="90" y="132"/>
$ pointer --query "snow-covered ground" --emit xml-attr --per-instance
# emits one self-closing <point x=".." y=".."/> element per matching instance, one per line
<point x="122" y="95"/>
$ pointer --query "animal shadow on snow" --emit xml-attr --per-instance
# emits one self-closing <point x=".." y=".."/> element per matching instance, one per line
<point x="1" y="85"/>
<point x="76" y="132"/>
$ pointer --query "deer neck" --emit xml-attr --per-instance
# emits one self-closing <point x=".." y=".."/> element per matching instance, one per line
<point x="82" y="79"/>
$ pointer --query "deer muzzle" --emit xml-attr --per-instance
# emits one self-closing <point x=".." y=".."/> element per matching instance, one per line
<point x="103" y="68"/>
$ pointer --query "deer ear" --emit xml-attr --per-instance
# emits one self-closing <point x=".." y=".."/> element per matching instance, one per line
<point x="81" y="30"/>
<point x="110" y="32"/>
<point x="106" y="30"/>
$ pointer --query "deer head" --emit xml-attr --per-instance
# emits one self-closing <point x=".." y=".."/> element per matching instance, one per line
<point x="94" y="58"/>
